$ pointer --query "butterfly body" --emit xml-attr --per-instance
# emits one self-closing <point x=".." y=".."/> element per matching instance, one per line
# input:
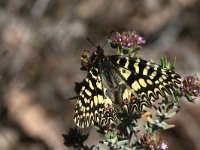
<point x="116" y="79"/>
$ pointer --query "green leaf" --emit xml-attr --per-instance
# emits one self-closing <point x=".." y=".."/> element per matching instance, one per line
<point x="173" y="64"/>
<point x="189" y="98"/>
<point x="110" y="135"/>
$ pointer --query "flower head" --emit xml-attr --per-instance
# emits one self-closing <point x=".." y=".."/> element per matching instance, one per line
<point x="152" y="141"/>
<point x="190" y="86"/>
<point x="86" y="59"/>
<point x="126" y="40"/>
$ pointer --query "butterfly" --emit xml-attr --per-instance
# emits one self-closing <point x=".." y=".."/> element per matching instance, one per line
<point x="114" y="79"/>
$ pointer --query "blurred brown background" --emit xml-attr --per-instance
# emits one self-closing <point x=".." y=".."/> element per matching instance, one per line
<point x="40" y="46"/>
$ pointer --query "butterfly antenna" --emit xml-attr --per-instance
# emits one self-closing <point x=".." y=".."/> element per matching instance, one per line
<point x="91" y="42"/>
<point x="72" y="98"/>
<point x="108" y="38"/>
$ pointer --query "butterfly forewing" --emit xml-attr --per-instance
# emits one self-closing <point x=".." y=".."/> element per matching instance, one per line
<point x="93" y="106"/>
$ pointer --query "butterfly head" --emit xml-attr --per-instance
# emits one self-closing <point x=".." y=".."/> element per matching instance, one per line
<point x="89" y="57"/>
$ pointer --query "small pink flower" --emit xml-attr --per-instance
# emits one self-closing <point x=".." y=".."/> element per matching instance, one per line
<point x="141" y="40"/>
<point x="164" y="146"/>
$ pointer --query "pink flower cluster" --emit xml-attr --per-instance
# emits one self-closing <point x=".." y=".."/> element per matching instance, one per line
<point x="86" y="61"/>
<point x="153" y="141"/>
<point x="190" y="86"/>
<point x="128" y="39"/>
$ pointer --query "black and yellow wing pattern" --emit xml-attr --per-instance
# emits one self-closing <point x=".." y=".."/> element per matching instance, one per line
<point x="147" y="79"/>
<point x="94" y="107"/>
<point x="115" y="78"/>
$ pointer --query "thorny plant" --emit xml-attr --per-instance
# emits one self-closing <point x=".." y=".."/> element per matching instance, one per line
<point x="141" y="129"/>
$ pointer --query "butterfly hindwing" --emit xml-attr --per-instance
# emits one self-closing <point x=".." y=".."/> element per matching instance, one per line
<point x="147" y="79"/>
